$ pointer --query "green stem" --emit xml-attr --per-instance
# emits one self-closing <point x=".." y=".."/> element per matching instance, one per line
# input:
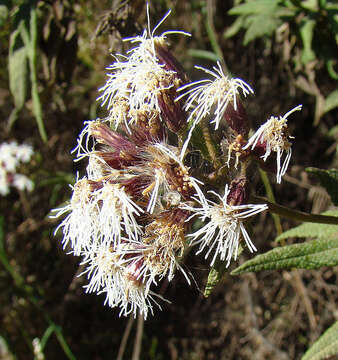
<point x="286" y="212"/>
<point x="209" y="25"/>
<point x="271" y="197"/>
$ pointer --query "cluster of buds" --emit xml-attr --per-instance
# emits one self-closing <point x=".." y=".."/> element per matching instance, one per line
<point x="11" y="156"/>
<point x="144" y="199"/>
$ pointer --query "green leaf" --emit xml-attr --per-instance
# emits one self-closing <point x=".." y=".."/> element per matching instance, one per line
<point x="325" y="347"/>
<point x="203" y="54"/>
<point x="314" y="230"/>
<point x="234" y="28"/>
<point x="213" y="279"/>
<point x="258" y="17"/>
<point x="331" y="101"/>
<point x="255" y="7"/>
<point x="217" y="273"/>
<point x="3" y="13"/>
<point x="17" y="70"/>
<point x="306" y="33"/>
<point x="30" y="41"/>
<point x="329" y="180"/>
<point x="26" y="35"/>
<point x="259" y="26"/>
<point x="333" y="132"/>
<point x="309" y="255"/>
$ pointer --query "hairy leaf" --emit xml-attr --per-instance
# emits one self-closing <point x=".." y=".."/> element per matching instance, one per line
<point x="325" y="347"/>
<point x="309" y="255"/>
<point x="216" y="274"/>
<point x="312" y="229"/>
<point x="329" y="180"/>
<point x="213" y="278"/>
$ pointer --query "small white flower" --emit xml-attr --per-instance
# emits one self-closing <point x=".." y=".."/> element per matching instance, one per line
<point x="80" y="228"/>
<point x="274" y="135"/>
<point x="99" y="213"/>
<point x="11" y="155"/>
<point x="8" y="159"/>
<point x="224" y="228"/>
<point x="116" y="215"/>
<point x="120" y="279"/>
<point x="24" y="153"/>
<point x="22" y="182"/>
<point x="146" y="51"/>
<point x="138" y="84"/>
<point x="167" y="172"/>
<point x="211" y="97"/>
<point x="37" y="349"/>
<point x="210" y="93"/>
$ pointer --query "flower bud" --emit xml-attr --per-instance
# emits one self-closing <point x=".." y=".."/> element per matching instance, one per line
<point x="166" y="58"/>
<point x="172" y="112"/>
<point x="238" y="191"/>
<point x="237" y="119"/>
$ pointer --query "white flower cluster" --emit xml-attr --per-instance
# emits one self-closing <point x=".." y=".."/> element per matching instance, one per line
<point x="131" y="217"/>
<point x="11" y="155"/>
<point x="212" y="99"/>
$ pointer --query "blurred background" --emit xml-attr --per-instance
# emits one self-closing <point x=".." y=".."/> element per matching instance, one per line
<point x="53" y="59"/>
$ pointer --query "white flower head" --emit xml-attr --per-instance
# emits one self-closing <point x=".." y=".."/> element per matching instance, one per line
<point x="167" y="173"/>
<point x="11" y="155"/>
<point x="8" y="158"/>
<point x="121" y="279"/>
<point x="211" y="97"/>
<point x="135" y="86"/>
<point x="224" y="229"/>
<point x="80" y="227"/>
<point x="139" y="78"/>
<point x="165" y="241"/>
<point x="146" y="49"/>
<point x="100" y="213"/>
<point x="22" y="182"/>
<point x="24" y="152"/>
<point x="116" y="215"/>
<point x="274" y="135"/>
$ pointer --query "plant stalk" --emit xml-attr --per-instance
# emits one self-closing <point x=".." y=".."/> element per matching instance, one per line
<point x="286" y="212"/>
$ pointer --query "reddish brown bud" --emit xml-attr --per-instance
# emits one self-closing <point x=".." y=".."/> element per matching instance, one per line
<point x="172" y="112"/>
<point x="104" y="135"/>
<point x="237" y="119"/>
<point x="239" y="193"/>
<point x="168" y="60"/>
